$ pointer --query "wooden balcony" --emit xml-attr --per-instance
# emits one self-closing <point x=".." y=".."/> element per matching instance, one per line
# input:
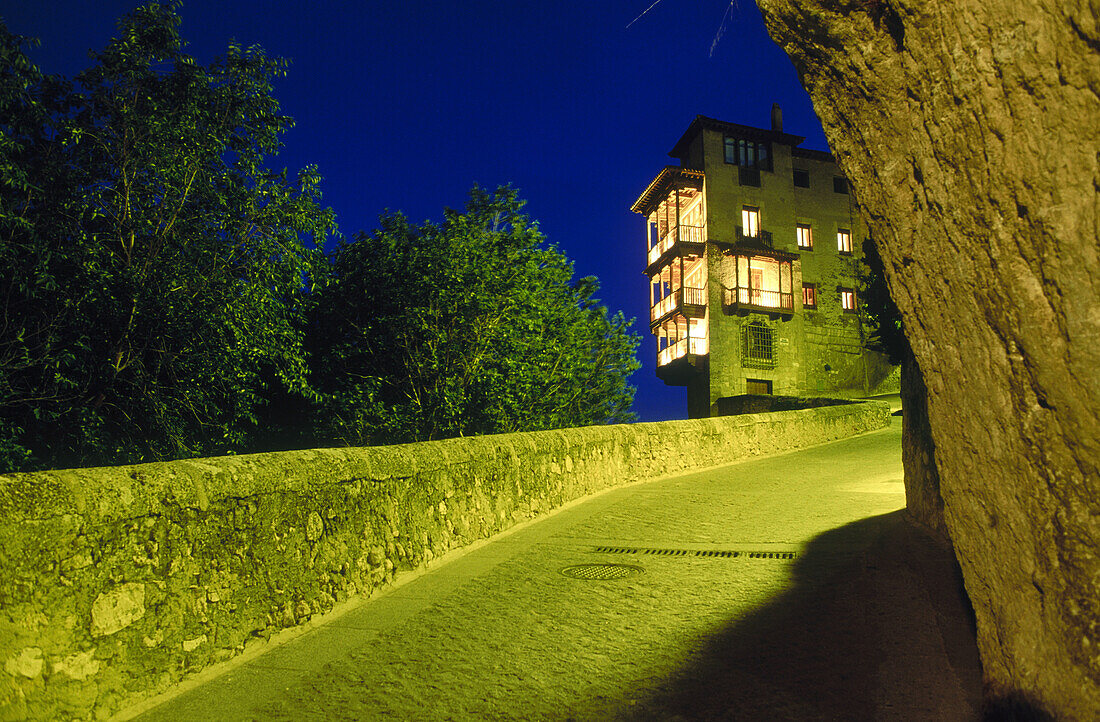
<point x="683" y="361"/>
<point x="744" y="300"/>
<point x="694" y="236"/>
<point x="688" y="301"/>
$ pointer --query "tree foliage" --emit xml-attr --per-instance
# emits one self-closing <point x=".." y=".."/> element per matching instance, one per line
<point x="879" y="308"/>
<point x="151" y="260"/>
<point x="159" y="282"/>
<point x="471" y="326"/>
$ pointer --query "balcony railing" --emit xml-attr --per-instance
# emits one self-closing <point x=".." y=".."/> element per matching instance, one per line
<point x="698" y="346"/>
<point x="686" y="296"/>
<point x="762" y="238"/>
<point x="686" y="234"/>
<point x="694" y="296"/>
<point x="744" y="296"/>
<point x="747" y="176"/>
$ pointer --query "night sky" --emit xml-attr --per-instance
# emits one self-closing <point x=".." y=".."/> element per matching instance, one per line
<point x="405" y="105"/>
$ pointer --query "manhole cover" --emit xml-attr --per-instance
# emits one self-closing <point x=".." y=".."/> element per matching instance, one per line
<point x="602" y="571"/>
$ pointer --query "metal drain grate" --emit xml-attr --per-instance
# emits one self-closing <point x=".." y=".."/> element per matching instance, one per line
<point x="602" y="571"/>
<point x="696" y="553"/>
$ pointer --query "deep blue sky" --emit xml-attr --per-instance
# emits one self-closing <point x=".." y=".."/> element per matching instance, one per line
<point x="405" y="105"/>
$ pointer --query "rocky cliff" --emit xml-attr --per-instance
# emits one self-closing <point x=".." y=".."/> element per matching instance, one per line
<point x="970" y="133"/>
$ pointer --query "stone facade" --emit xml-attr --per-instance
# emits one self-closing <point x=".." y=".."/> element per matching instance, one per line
<point x="748" y="274"/>
<point x="970" y="132"/>
<point x="115" y="583"/>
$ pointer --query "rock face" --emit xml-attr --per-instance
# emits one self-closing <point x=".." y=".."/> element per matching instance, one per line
<point x="923" y="500"/>
<point x="969" y="130"/>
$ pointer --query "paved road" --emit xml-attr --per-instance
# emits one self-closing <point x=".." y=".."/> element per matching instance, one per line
<point x="864" y="622"/>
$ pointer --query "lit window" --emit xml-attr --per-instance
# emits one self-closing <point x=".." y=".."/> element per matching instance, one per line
<point x="801" y="178"/>
<point x="805" y="236"/>
<point x="840" y="185"/>
<point x="844" y="240"/>
<point x="848" y="300"/>
<point x="809" y="296"/>
<point x="750" y="221"/>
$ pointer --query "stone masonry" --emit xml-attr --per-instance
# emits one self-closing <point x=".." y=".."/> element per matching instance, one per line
<point x="116" y="583"/>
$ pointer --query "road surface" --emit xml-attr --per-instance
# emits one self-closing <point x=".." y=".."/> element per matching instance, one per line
<point x="784" y="588"/>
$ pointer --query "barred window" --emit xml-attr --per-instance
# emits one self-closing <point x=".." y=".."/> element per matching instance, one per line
<point x="757" y="346"/>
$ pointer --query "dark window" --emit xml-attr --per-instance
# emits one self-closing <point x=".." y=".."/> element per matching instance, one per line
<point x="809" y="296"/>
<point x="748" y="153"/>
<point x="801" y="178"/>
<point x="840" y="185"/>
<point x="757" y="346"/>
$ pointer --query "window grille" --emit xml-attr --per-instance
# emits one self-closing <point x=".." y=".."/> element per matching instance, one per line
<point x="757" y="346"/>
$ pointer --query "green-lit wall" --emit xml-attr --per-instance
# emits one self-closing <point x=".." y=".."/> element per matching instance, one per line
<point x="116" y="583"/>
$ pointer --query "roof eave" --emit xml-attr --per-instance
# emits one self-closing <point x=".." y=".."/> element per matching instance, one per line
<point x="702" y="122"/>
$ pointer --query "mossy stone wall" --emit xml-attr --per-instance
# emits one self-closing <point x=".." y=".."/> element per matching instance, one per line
<point x="115" y="583"/>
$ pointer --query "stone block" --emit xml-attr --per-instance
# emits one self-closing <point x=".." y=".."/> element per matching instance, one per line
<point x="78" y="666"/>
<point x="28" y="663"/>
<point x="118" y="608"/>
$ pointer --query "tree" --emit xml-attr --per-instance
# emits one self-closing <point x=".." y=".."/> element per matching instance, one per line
<point x="879" y="308"/>
<point x="473" y="326"/>
<point x="23" y="121"/>
<point x="152" y="263"/>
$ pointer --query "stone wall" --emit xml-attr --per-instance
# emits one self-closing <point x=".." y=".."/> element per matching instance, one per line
<point x="969" y="130"/>
<point x="763" y="403"/>
<point x="117" y="582"/>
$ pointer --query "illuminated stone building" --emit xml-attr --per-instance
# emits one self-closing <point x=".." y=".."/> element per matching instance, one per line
<point x="753" y="257"/>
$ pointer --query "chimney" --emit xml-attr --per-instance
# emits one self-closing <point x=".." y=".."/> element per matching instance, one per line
<point x="777" y="118"/>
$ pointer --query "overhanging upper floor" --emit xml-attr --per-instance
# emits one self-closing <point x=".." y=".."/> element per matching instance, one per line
<point x="669" y="180"/>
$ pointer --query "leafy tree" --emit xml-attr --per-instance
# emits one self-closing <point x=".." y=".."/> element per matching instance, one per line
<point x="879" y="308"/>
<point x="150" y="263"/>
<point x="23" y="121"/>
<point x="471" y="326"/>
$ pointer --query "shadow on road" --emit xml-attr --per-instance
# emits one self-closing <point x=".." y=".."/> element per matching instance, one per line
<point x="874" y="625"/>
